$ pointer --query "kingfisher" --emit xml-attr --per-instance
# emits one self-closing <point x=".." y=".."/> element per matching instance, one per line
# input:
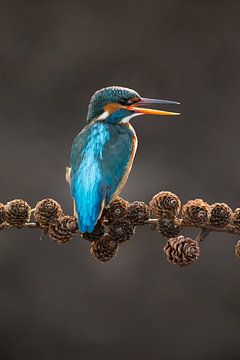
<point x="102" y="154"/>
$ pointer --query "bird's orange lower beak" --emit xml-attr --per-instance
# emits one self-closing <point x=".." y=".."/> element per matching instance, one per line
<point x="146" y="101"/>
<point x="151" y="111"/>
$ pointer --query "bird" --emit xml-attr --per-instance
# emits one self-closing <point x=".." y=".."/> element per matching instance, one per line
<point x="102" y="154"/>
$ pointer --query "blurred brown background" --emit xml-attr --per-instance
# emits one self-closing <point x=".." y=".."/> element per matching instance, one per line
<point x="58" y="302"/>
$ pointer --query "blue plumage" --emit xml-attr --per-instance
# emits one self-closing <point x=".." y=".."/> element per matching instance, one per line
<point x="99" y="160"/>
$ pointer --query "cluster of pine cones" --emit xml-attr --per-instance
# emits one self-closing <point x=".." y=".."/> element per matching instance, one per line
<point x="119" y="221"/>
<point x="180" y="250"/>
<point x="47" y="214"/>
<point x="117" y="225"/>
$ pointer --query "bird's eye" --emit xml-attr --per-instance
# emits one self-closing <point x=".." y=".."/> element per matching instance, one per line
<point x="128" y="102"/>
<point x="124" y="102"/>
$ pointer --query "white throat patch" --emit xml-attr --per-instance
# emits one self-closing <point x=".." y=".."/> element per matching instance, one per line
<point x="129" y="117"/>
<point x="126" y="119"/>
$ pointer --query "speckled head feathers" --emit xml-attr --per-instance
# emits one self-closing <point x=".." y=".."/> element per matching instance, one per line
<point x="108" y="95"/>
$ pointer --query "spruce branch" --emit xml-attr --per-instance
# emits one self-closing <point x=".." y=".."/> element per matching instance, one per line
<point x="119" y="221"/>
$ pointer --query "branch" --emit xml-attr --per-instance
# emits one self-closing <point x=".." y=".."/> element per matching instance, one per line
<point x="207" y="229"/>
<point x="118" y="223"/>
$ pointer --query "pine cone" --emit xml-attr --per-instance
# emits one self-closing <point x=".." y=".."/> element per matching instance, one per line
<point x="220" y="215"/>
<point x="63" y="229"/>
<point x="195" y="212"/>
<point x="47" y="210"/>
<point x="18" y="212"/>
<point x="138" y="213"/>
<point x="237" y="249"/>
<point x="104" y="248"/>
<point x="236" y="218"/>
<point x="96" y="234"/>
<point x="122" y="230"/>
<point x="182" y="250"/>
<point x="2" y="213"/>
<point x="117" y="210"/>
<point x="165" y="204"/>
<point x="168" y="227"/>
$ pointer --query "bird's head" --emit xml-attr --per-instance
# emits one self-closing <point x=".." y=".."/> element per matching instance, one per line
<point x="117" y="104"/>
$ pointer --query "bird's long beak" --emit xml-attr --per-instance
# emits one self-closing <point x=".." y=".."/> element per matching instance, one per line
<point x="146" y="101"/>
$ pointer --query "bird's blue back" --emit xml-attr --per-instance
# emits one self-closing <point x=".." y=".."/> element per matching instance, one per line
<point x="100" y="157"/>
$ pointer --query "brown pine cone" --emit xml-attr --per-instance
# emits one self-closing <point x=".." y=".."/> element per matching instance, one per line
<point x="18" y="212"/>
<point x="63" y="229"/>
<point x="195" y="212"/>
<point x="47" y="210"/>
<point x="2" y="213"/>
<point x="236" y="218"/>
<point x="165" y="204"/>
<point x="168" y="227"/>
<point x="182" y="251"/>
<point x="122" y="230"/>
<point x="138" y="213"/>
<point x="220" y="215"/>
<point x="237" y="249"/>
<point x="104" y="248"/>
<point x="117" y="210"/>
<point x="96" y="234"/>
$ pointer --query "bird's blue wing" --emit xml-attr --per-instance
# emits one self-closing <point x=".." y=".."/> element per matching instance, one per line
<point x="87" y="187"/>
<point x="99" y="159"/>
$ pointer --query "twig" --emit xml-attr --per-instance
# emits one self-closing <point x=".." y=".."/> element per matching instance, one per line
<point x="205" y="230"/>
<point x="30" y="225"/>
<point x="202" y="235"/>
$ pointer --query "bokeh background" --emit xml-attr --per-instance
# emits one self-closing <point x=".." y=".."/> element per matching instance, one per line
<point x="58" y="302"/>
